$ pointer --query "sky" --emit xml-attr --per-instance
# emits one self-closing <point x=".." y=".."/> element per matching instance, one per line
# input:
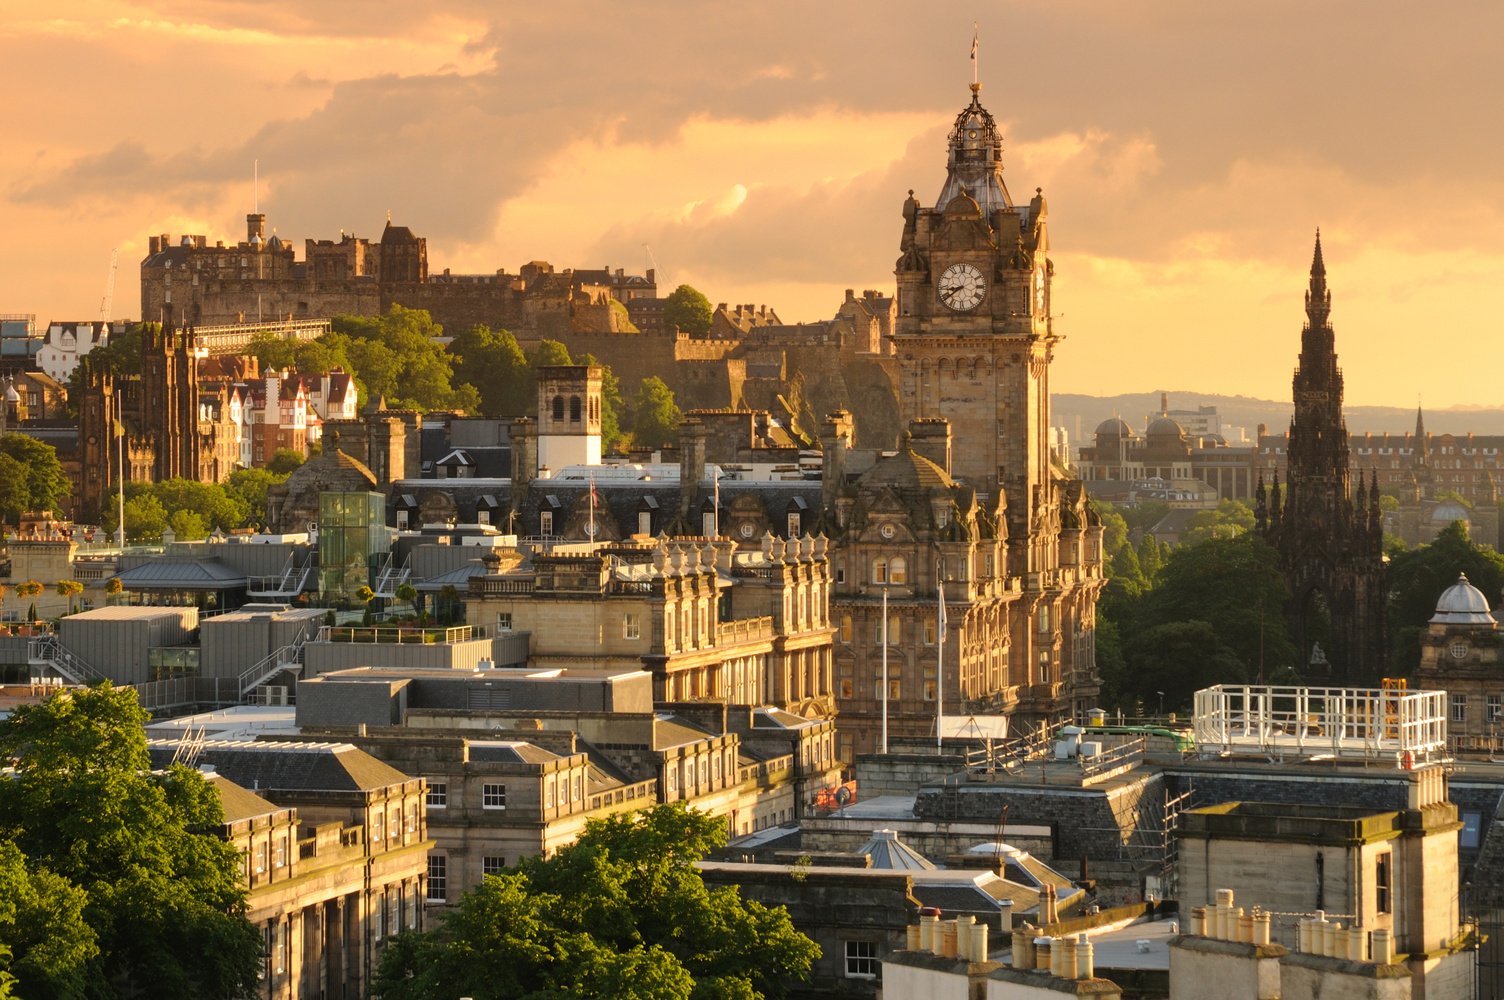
<point x="1189" y="151"/>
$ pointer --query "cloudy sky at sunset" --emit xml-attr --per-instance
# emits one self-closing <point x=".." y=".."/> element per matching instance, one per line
<point x="1188" y="151"/>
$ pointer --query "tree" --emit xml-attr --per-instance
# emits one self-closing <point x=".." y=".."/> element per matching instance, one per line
<point x="492" y="361"/>
<point x="248" y="488"/>
<point x="1228" y="519"/>
<point x="113" y="588"/>
<point x="69" y="589"/>
<point x="284" y="461"/>
<point x="399" y="356"/>
<point x="163" y="891"/>
<point x="365" y="595"/>
<point x="46" y="484"/>
<point x="655" y="416"/>
<point x="15" y="493"/>
<point x="1417" y="578"/>
<point x="622" y="912"/>
<point x="1177" y="659"/>
<point x="407" y="594"/>
<point x="44" y="938"/>
<point x="688" y="310"/>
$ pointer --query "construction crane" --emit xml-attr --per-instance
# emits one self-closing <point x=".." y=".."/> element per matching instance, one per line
<point x="108" y="302"/>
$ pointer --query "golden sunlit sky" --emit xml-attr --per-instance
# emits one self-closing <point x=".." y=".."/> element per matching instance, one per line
<point x="1188" y="149"/>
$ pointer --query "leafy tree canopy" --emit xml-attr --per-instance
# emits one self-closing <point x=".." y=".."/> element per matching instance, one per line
<point x="689" y="310"/>
<point x="1228" y="519"/>
<point x="162" y="890"/>
<point x="1417" y="578"/>
<point x="655" y="415"/>
<point x="621" y="913"/>
<point x="492" y="361"/>
<point x="42" y="486"/>
<point x="284" y="461"/>
<point x="398" y="356"/>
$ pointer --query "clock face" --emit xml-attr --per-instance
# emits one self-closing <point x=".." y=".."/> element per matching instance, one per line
<point x="888" y="531"/>
<point x="962" y="287"/>
<point x="746" y="530"/>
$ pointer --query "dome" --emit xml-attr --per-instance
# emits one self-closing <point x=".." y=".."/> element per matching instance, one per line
<point x="1462" y="604"/>
<point x="1165" y="427"/>
<point x="906" y="471"/>
<point x="1114" y="427"/>
<point x="11" y="395"/>
<point x="1449" y="511"/>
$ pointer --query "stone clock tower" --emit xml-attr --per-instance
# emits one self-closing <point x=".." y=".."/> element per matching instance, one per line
<point x="974" y="336"/>
<point x="974" y="340"/>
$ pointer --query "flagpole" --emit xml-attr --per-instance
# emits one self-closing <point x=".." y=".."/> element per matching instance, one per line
<point x="592" y="506"/>
<point x="120" y="446"/>
<point x="940" y="667"/>
<point x="885" y="670"/>
<point x="976" y="71"/>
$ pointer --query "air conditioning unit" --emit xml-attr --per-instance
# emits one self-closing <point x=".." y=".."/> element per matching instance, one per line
<point x="274" y="694"/>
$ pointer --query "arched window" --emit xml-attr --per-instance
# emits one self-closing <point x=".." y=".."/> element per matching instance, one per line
<point x="898" y="570"/>
<point x="574" y="409"/>
<point x="558" y="407"/>
<point x="879" y="570"/>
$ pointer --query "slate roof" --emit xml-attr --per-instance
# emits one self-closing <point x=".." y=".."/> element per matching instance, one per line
<point x="239" y="803"/>
<point x="671" y="731"/>
<point x="182" y="574"/>
<point x="289" y="767"/>
<point x="510" y="752"/>
<point x="890" y="853"/>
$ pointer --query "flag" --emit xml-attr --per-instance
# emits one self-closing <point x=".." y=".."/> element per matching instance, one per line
<point x="975" y="40"/>
<point x="119" y="429"/>
<point x="940" y="592"/>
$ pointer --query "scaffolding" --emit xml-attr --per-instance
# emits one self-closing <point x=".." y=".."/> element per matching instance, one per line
<point x="1409" y="727"/>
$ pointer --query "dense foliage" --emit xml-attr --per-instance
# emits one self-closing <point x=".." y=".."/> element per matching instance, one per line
<point x="1417" y="578"/>
<point x="31" y="477"/>
<point x="655" y="416"/>
<point x="620" y="914"/>
<point x="688" y="310"/>
<point x="192" y="509"/>
<point x="114" y="881"/>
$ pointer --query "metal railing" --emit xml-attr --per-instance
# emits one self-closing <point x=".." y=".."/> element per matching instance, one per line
<point x="400" y="634"/>
<point x="1123" y="755"/>
<point x="47" y="653"/>
<point x="288" y="658"/>
<point x="1318" y="722"/>
<point x="390" y="577"/>
<point x="290" y="582"/>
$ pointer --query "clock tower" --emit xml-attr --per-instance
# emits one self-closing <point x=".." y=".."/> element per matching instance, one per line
<point x="974" y="340"/>
<point x="974" y="335"/>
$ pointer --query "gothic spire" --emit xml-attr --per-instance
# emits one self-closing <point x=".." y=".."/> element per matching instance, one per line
<point x="1422" y="451"/>
<point x="1318" y="297"/>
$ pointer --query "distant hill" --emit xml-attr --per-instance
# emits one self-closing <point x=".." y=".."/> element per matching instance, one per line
<point x="1081" y="414"/>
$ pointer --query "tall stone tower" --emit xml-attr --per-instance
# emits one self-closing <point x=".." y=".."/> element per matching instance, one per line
<point x="569" y="415"/>
<point x="1330" y="541"/>
<point x="975" y="339"/>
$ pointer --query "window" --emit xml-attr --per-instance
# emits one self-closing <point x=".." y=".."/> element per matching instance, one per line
<point x="1383" y="885"/>
<point x="644" y="522"/>
<point x="898" y="570"/>
<point x="493" y="796"/>
<point x="846" y="688"/>
<point x="376" y="830"/>
<point x="558" y="407"/>
<point x="438" y="794"/>
<point x="549" y="793"/>
<point x="438" y="878"/>
<point x="280" y="858"/>
<point x="378" y="922"/>
<point x="631" y="626"/>
<point x="708" y="524"/>
<point x="846" y="629"/>
<point x="1495" y="708"/>
<point x="793" y="525"/>
<point x="493" y="865"/>
<point x="261" y="852"/>
<point x="840" y="574"/>
<point x="412" y="817"/>
<point x="574" y="409"/>
<point x="929" y="631"/>
<point x="503" y="621"/>
<point x="579" y="789"/>
<point x="1044" y="618"/>
<point x="879" y="570"/>
<point x="861" y="959"/>
<point x="1459" y="708"/>
<point x="401" y="514"/>
<point x="546" y="522"/>
<point x="483" y="517"/>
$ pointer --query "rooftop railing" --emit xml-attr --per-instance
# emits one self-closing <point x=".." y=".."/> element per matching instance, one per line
<point x="1410" y="726"/>
<point x="400" y="634"/>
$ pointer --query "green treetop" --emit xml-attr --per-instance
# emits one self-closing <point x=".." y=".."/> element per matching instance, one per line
<point x="163" y="894"/>
<point x="688" y="310"/>
<point x="621" y="913"/>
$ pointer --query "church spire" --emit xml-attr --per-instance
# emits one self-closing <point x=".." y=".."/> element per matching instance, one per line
<point x="1422" y="444"/>
<point x="1318" y="297"/>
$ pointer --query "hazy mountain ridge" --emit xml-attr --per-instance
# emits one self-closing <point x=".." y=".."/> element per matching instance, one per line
<point x="1245" y="411"/>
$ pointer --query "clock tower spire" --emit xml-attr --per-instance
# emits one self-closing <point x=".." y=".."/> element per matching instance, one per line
<point x="975" y="341"/>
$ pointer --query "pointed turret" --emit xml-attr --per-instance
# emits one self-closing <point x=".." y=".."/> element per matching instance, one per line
<point x="1318" y="297"/>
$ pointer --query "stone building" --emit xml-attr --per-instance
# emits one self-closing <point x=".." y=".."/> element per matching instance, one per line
<point x="1330" y="539"/>
<point x="975" y="339"/>
<point x="518" y="760"/>
<point x="1462" y="653"/>
<point x="709" y="622"/>
<point x="335" y="847"/>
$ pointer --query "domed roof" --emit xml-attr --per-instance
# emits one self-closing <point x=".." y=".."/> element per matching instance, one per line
<point x="1114" y="427"/>
<point x="1448" y="511"/>
<point x="1165" y="427"/>
<point x="1462" y="604"/>
<point x="906" y="470"/>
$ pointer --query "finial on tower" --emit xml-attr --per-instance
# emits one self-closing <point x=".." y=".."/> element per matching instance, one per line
<point x="1318" y="266"/>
